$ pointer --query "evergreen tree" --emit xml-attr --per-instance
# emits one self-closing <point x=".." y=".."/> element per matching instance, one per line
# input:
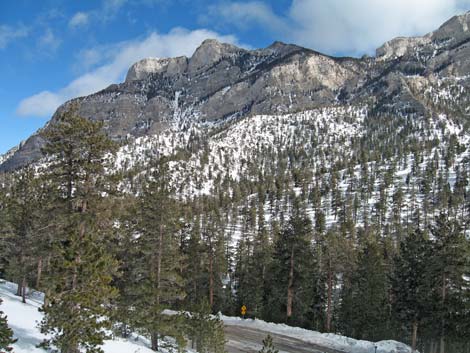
<point x="155" y="269"/>
<point x="24" y="240"/>
<point x="290" y="297"/>
<point x="6" y="333"/>
<point x="368" y="305"/>
<point x="412" y="284"/>
<point x="268" y="346"/>
<point x="79" y="279"/>
<point x="205" y="331"/>
<point x="451" y="269"/>
<point x="337" y="258"/>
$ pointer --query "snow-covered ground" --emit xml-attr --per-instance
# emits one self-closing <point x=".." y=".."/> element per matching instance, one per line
<point x="24" y="318"/>
<point x="327" y="340"/>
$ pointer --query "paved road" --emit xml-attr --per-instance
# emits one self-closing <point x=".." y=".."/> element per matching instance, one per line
<point x="248" y="340"/>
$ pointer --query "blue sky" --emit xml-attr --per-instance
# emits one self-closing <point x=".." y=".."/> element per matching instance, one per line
<point x="54" y="50"/>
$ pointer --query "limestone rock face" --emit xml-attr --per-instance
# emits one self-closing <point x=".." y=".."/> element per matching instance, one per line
<point x="210" y="52"/>
<point x="223" y="81"/>
<point x="148" y="66"/>
<point x="399" y="47"/>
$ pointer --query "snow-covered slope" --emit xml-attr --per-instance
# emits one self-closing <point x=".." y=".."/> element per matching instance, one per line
<point x="24" y="318"/>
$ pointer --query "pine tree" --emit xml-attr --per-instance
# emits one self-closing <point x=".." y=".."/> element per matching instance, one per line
<point x="6" y="333"/>
<point x="81" y="269"/>
<point x="205" y="331"/>
<point x="268" y="346"/>
<point x="194" y="275"/>
<point x="368" y="304"/>
<point x="23" y="215"/>
<point x="412" y="284"/>
<point x="450" y="265"/>
<point x="155" y="269"/>
<point x="291" y="296"/>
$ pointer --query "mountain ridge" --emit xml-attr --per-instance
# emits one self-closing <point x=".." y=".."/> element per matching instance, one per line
<point x="221" y="81"/>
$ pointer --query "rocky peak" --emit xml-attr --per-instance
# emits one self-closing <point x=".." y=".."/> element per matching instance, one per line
<point x="398" y="47"/>
<point x="452" y="33"/>
<point x="280" y="49"/>
<point x="454" y="30"/>
<point x="145" y="67"/>
<point x="209" y="52"/>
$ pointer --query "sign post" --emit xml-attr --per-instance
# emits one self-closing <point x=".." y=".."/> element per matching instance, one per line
<point x="243" y="310"/>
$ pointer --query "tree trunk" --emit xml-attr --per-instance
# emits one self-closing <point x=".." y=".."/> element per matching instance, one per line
<point x="154" y="341"/>
<point x="290" y="286"/>
<point x="159" y="264"/>
<point x="443" y="294"/>
<point x="211" y="280"/>
<point x="75" y="273"/>
<point x="19" y="291"/>
<point x="39" y="273"/>
<point x="414" y="336"/>
<point x="23" y="290"/>
<point x="71" y="349"/>
<point x="330" y="294"/>
<point x="211" y="272"/>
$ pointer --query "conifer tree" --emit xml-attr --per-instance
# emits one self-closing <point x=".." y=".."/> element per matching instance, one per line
<point x="412" y="284"/>
<point x="81" y="270"/>
<point x="290" y="297"/>
<point x="450" y="265"/>
<point x="23" y="218"/>
<point x="6" y="333"/>
<point x="268" y="346"/>
<point x="369" y="297"/>
<point x="205" y="331"/>
<point x="157" y="281"/>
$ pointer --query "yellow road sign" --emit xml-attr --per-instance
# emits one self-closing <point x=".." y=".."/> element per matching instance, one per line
<point x="243" y="310"/>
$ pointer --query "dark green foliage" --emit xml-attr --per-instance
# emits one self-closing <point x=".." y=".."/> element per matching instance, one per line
<point x="268" y="346"/>
<point x="450" y="270"/>
<point x="6" y="334"/>
<point x="412" y="284"/>
<point x="290" y="292"/>
<point x="365" y="308"/>
<point x="205" y="331"/>
<point x="155" y="281"/>
<point x="81" y="269"/>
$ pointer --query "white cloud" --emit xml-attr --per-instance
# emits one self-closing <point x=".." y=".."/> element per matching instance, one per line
<point x="39" y="105"/>
<point x="177" y="42"/>
<point x="360" y="26"/>
<point x="337" y="26"/>
<point x="244" y="14"/>
<point x="49" y="42"/>
<point x="110" y="8"/>
<point x="9" y="33"/>
<point x="80" y="19"/>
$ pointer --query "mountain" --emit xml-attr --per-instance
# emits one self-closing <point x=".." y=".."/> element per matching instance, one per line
<point x="327" y="193"/>
<point x="222" y="82"/>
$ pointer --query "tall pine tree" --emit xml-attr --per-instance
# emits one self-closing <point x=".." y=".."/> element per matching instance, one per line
<point x="79" y="278"/>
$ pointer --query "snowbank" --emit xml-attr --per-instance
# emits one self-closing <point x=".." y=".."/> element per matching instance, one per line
<point x="329" y="340"/>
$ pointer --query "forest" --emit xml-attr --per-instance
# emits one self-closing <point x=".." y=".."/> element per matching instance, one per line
<point x="310" y="234"/>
